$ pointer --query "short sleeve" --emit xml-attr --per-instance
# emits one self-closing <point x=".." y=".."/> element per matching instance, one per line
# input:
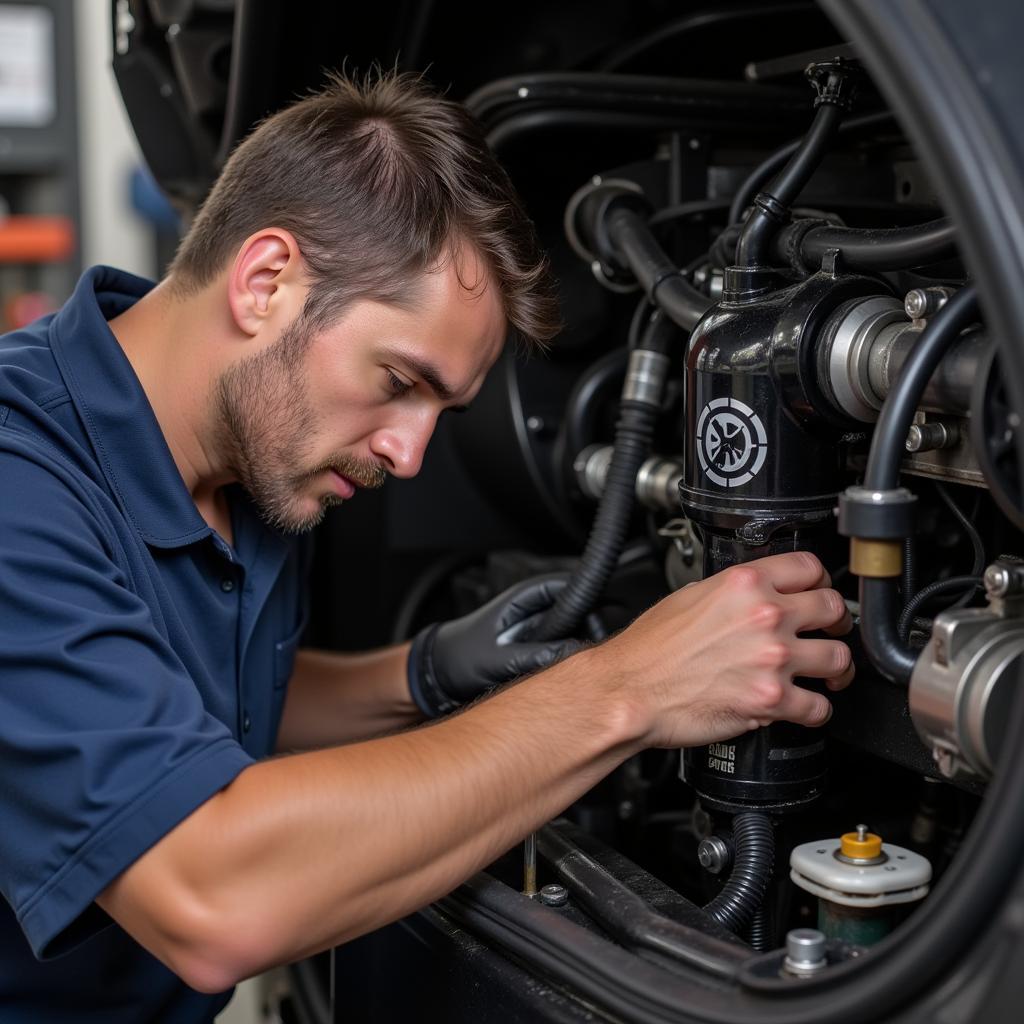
<point x="105" y="744"/>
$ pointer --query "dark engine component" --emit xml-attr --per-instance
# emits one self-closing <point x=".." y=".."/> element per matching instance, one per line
<point x="770" y="313"/>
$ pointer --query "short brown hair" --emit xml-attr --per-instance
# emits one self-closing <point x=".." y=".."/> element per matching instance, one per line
<point x="380" y="180"/>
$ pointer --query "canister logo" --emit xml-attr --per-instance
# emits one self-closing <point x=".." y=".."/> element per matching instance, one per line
<point x="731" y="442"/>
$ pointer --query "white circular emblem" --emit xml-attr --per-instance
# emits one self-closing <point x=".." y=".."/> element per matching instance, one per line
<point x="731" y="442"/>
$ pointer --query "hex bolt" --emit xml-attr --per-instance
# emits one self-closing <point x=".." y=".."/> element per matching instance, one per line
<point x="554" y="895"/>
<point x="805" y="952"/>
<point x="714" y="854"/>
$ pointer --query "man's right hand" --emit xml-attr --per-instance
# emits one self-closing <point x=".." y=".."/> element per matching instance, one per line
<point x="278" y="865"/>
<point x="718" y="657"/>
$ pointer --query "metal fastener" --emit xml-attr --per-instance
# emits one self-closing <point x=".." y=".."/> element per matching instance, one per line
<point x="924" y="302"/>
<point x="926" y="437"/>
<point x="1004" y="579"/>
<point x="805" y="952"/>
<point x="714" y="854"/>
<point x="997" y="580"/>
<point x="554" y="895"/>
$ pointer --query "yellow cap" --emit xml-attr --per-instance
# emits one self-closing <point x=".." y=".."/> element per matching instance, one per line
<point x="860" y="845"/>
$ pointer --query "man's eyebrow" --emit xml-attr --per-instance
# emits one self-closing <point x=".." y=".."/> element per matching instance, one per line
<point x="429" y="374"/>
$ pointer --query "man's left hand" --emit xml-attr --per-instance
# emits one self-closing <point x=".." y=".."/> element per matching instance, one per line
<point x="457" y="661"/>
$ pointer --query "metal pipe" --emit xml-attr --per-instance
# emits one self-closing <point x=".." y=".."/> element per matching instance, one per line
<point x="657" y="482"/>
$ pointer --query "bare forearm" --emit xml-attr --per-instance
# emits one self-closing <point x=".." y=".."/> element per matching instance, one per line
<point x="307" y="851"/>
<point x="311" y="850"/>
<point x="336" y="698"/>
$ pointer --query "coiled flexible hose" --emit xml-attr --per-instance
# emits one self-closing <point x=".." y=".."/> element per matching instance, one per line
<point x="633" y="434"/>
<point x="759" y="932"/>
<point x="753" y="859"/>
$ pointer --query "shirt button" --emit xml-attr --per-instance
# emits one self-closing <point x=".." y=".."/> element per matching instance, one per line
<point x="246" y="723"/>
<point x="227" y="585"/>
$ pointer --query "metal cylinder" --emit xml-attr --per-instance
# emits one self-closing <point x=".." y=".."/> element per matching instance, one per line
<point x="657" y="482"/>
<point x="963" y="685"/>
<point x="880" y="559"/>
<point x="864" y="347"/>
<point x="805" y="952"/>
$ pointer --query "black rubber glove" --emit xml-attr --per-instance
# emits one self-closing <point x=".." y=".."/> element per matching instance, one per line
<point x="451" y="663"/>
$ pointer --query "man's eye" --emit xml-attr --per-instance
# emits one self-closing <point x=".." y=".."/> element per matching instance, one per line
<point x="396" y="385"/>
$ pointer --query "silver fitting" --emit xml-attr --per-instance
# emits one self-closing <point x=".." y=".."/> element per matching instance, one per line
<point x="850" y="350"/>
<point x="554" y="895"/>
<point x="921" y="303"/>
<point x="962" y="686"/>
<point x="1004" y="579"/>
<point x="805" y="952"/>
<point x="657" y="481"/>
<point x="591" y="469"/>
<point x="645" y="377"/>
<point x="714" y="855"/>
<point x="932" y="435"/>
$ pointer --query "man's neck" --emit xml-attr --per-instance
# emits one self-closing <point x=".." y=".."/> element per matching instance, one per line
<point x="172" y="347"/>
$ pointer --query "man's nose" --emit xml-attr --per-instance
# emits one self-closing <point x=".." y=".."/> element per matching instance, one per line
<point x="401" y="447"/>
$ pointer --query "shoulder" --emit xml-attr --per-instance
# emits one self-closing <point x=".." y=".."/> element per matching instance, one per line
<point x="49" y="501"/>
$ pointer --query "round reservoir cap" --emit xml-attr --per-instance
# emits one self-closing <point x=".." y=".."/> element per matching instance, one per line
<point x="899" y="875"/>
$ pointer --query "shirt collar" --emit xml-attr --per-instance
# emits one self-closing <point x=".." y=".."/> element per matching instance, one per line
<point x="122" y="427"/>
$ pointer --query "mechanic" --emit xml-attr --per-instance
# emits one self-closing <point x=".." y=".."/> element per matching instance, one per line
<point x="353" y="274"/>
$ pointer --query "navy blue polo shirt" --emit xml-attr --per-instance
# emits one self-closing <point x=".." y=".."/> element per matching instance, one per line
<point x="143" y="660"/>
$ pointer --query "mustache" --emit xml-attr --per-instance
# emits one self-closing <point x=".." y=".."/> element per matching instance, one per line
<point x="362" y="472"/>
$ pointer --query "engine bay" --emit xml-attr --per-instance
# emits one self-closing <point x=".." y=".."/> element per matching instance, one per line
<point x="773" y="341"/>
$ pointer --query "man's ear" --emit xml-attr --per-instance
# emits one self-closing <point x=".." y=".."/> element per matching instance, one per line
<point x="265" y="284"/>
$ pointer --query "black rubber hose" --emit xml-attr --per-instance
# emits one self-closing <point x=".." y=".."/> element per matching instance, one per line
<point x="604" y="545"/>
<point x="658" y="276"/>
<point x="753" y="247"/>
<point x="753" y="859"/>
<point x="925" y="594"/>
<point x="878" y="597"/>
<point x="890" y="435"/>
<point x="632" y="920"/>
<point x="763" y="171"/>
<point x="868" y="248"/>
<point x="632" y="445"/>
